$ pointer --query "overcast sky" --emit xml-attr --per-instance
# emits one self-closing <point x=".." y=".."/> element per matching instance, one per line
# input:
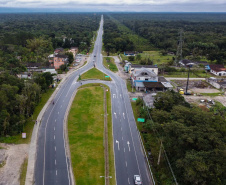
<point x="121" y="5"/>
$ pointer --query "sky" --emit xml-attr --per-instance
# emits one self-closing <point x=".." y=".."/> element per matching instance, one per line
<point x="116" y="5"/>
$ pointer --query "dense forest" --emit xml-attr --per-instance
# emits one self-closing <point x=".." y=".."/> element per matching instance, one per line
<point x="203" y="34"/>
<point x="113" y="39"/>
<point x="27" y="38"/>
<point x="195" y="140"/>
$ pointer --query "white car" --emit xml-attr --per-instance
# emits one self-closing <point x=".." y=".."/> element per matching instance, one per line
<point x="137" y="179"/>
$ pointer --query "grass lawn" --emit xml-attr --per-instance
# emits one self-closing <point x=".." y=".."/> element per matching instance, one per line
<point x="28" y="128"/>
<point x="23" y="172"/>
<point x="185" y="74"/>
<point x="94" y="73"/>
<point x="85" y="131"/>
<point x="110" y="64"/>
<point x="129" y="86"/>
<point x="212" y="94"/>
<point x="154" y="56"/>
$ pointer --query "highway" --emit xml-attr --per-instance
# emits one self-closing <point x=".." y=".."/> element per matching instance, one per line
<point x="52" y="163"/>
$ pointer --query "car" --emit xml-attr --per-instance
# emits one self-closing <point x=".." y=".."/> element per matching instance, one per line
<point x="137" y="179"/>
<point x="94" y="55"/>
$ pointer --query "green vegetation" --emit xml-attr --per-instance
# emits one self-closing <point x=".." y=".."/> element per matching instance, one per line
<point x="140" y="43"/>
<point x="23" y="172"/>
<point x="150" y="58"/>
<point x="2" y="164"/>
<point x="204" y="35"/>
<point x="193" y="139"/>
<point x="110" y="64"/>
<point x="28" y="126"/>
<point x="94" y="73"/>
<point x="212" y="94"/>
<point x="86" y="136"/>
<point x="129" y="86"/>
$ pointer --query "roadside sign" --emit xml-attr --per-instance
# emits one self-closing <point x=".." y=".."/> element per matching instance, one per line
<point x="134" y="99"/>
<point x="24" y="135"/>
<point x="107" y="76"/>
<point x="141" y="120"/>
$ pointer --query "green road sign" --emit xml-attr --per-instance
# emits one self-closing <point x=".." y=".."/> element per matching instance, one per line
<point x="134" y="99"/>
<point x="107" y="76"/>
<point x="141" y="119"/>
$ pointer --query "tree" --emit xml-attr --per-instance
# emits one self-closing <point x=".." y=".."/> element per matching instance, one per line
<point x="70" y="57"/>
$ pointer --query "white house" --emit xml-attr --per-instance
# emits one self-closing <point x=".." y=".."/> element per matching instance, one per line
<point x="135" y="67"/>
<point x="217" y="69"/>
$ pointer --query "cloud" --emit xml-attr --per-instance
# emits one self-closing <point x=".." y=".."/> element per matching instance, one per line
<point x="121" y="5"/>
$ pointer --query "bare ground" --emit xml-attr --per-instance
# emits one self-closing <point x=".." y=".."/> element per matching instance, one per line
<point x="196" y="99"/>
<point x="13" y="156"/>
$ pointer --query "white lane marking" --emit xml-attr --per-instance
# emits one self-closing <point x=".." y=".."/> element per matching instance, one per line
<point x="128" y="145"/>
<point x="54" y="128"/>
<point x="55" y="148"/>
<point x="55" y="161"/>
<point x="121" y="128"/>
<point x="118" y="144"/>
<point x="123" y="115"/>
<point x="58" y="112"/>
<point x="124" y="150"/>
<point x="56" y="172"/>
<point x="120" y="95"/>
<point x="63" y="100"/>
<point x="128" y="180"/>
<point x="122" y="138"/>
<point x="126" y="164"/>
<point x="115" y="115"/>
<point x="55" y="120"/>
<point x="54" y="137"/>
<point x="61" y="106"/>
<point x="114" y="95"/>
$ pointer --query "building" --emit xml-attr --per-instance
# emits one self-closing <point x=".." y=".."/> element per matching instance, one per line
<point x="149" y="99"/>
<point x="146" y="80"/>
<point x="127" y="67"/>
<point x="56" y="60"/>
<point x="73" y="50"/>
<point x="58" y="50"/>
<point x="129" y="53"/>
<point x="217" y="69"/>
<point x="185" y="63"/>
<point x="136" y="67"/>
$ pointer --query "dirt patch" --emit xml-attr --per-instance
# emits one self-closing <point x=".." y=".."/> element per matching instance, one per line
<point x="193" y="84"/>
<point x="14" y="156"/>
<point x="196" y="99"/>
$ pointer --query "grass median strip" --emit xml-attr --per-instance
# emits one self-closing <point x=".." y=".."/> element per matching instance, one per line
<point x="110" y="64"/>
<point x="94" y="73"/>
<point x="86" y="132"/>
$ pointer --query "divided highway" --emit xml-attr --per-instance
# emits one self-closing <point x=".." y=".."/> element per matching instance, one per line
<point x="52" y="163"/>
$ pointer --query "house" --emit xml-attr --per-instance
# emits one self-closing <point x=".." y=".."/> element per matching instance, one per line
<point x="146" y="80"/>
<point x="143" y="75"/>
<point x="129" y="53"/>
<point x="73" y="50"/>
<point x="185" y="63"/>
<point x="137" y="67"/>
<point x="58" y="50"/>
<point x="56" y="60"/>
<point x="217" y="69"/>
<point x="38" y="68"/>
<point x="24" y="75"/>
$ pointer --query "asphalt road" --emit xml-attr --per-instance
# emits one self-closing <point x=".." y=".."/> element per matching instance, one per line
<point x="52" y="164"/>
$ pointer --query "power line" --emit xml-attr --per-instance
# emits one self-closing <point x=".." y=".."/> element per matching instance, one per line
<point x="158" y="137"/>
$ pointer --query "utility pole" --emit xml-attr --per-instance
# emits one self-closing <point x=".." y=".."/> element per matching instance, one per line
<point x="179" y="48"/>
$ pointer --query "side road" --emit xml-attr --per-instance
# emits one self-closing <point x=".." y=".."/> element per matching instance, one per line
<point x="33" y="143"/>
